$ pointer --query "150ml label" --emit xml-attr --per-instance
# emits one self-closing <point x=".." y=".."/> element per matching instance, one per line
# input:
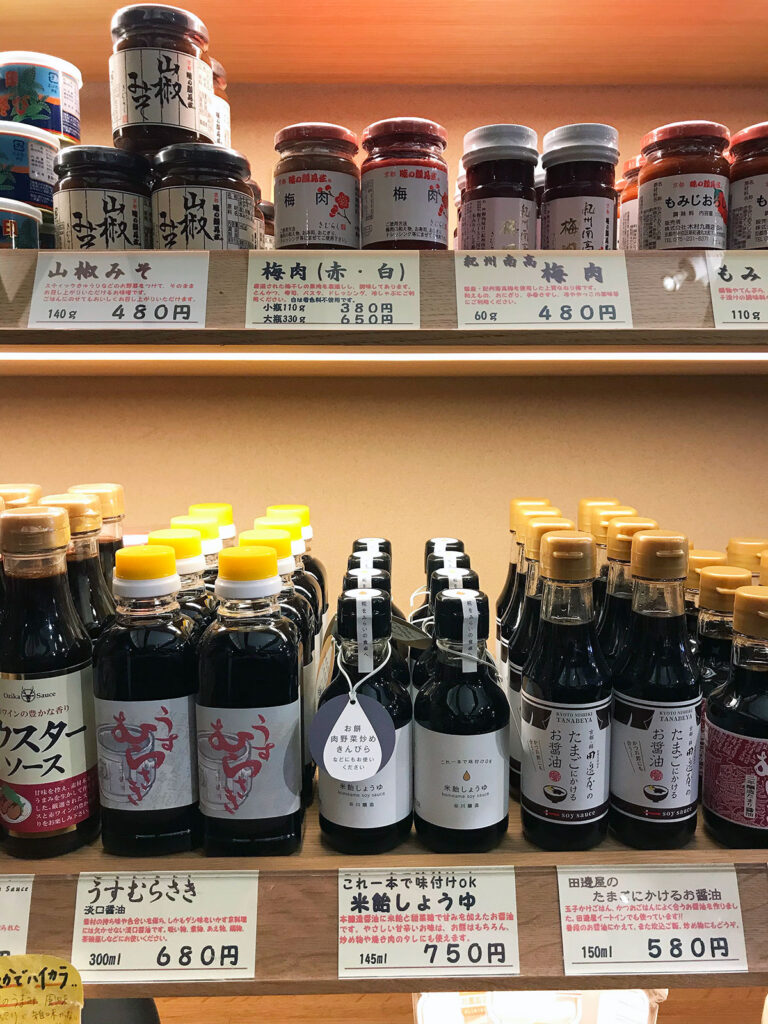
<point x="498" y="223"/>
<point x="156" y="86"/>
<point x="582" y="222"/>
<point x="629" y="225"/>
<point x="146" y="753"/>
<point x="405" y="202"/>
<point x="736" y="777"/>
<point x="89" y="218"/>
<point x="202" y="218"/>
<point x="317" y="208"/>
<point x="684" y="211"/>
<point x="748" y="214"/>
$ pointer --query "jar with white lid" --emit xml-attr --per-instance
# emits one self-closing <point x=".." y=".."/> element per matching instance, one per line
<point x="41" y="90"/>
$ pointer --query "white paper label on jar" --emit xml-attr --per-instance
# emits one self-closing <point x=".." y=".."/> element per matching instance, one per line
<point x="249" y="761"/>
<point x="405" y="202"/>
<point x="146" y="753"/>
<point x="94" y="218"/>
<point x="565" y="760"/>
<point x="655" y="758"/>
<point x="383" y="799"/>
<point x="222" y="123"/>
<point x="498" y="223"/>
<point x="156" y="86"/>
<point x="629" y="225"/>
<point x="684" y="211"/>
<point x="41" y="159"/>
<point x="461" y="781"/>
<point x="258" y="232"/>
<point x="317" y="208"/>
<point x="581" y="222"/>
<point x="269" y="241"/>
<point x="748" y="213"/>
<point x="202" y="217"/>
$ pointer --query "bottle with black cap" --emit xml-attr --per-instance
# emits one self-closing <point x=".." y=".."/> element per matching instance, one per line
<point x="376" y="545"/>
<point x="447" y="559"/>
<point x="435" y="546"/>
<point x="461" y="735"/>
<point x="374" y="814"/>
<point x="367" y="579"/>
<point x="442" y="579"/>
<point x="370" y="560"/>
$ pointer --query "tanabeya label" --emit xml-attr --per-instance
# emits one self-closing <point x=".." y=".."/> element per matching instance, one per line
<point x="317" y="208"/>
<point x="565" y="760"/>
<point x="91" y="218"/>
<point x="629" y="225"/>
<point x="221" y="122"/>
<point x="383" y="799"/>
<point x="582" y="222"/>
<point x="204" y="217"/>
<point x="748" y="213"/>
<point x="249" y="761"/>
<point x="684" y="211"/>
<point x="156" y="86"/>
<point x="461" y="781"/>
<point x="48" y="777"/>
<point x="405" y="201"/>
<point x="146" y="753"/>
<point x="655" y="758"/>
<point x="736" y="777"/>
<point x="498" y="223"/>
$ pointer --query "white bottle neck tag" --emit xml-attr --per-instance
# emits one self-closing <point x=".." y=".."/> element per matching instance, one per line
<point x="450" y="559"/>
<point x="365" y="578"/>
<point x="469" y="630"/>
<point x="364" y="613"/>
<point x="366" y="559"/>
<point x="455" y="579"/>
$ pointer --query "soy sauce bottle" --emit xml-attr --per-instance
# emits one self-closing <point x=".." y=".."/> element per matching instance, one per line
<point x="194" y="600"/>
<point x="249" y="713"/>
<point x="566" y="706"/>
<point x="656" y="722"/>
<point x="735" y="794"/>
<point x="376" y="545"/>
<point x="367" y="579"/>
<point x="144" y="685"/>
<point x="746" y="552"/>
<point x="374" y="814"/>
<point x="698" y="559"/>
<point x="445" y="560"/>
<point x="379" y="560"/>
<point x="600" y="521"/>
<point x="425" y="661"/>
<point x="435" y="546"/>
<point x="505" y="597"/>
<point x="461" y="735"/>
<point x="2" y="581"/>
<point x="92" y="598"/>
<point x="312" y="563"/>
<point x="210" y="542"/>
<point x="48" y="804"/>
<point x="112" y="499"/>
<point x="221" y="511"/>
<point x="586" y="508"/>
<point x="616" y="612"/>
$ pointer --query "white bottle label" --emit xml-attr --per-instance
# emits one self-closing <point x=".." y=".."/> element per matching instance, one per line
<point x="249" y="761"/>
<point x="146" y="753"/>
<point x="629" y="225"/>
<point x="91" y="218"/>
<point x="405" y="202"/>
<point x="222" y="123"/>
<point x="317" y="208"/>
<point x="582" y="222"/>
<point x="383" y="799"/>
<point x="461" y="781"/>
<point x="41" y="160"/>
<point x="748" y="213"/>
<point x="498" y="223"/>
<point x="565" y="760"/>
<point x="655" y="758"/>
<point x="202" y="217"/>
<point x="157" y="86"/>
<point x="684" y="211"/>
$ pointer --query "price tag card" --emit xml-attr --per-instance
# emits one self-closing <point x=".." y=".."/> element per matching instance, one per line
<point x="542" y="289"/>
<point x="39" y="990"/>
<point x="15" y="899"/>
<point x="166" y="926"/>
<point x="428" y="923"/>
<point x="119" y="289"/>
<point x="294" y="289"/>
<point x="651" y="920"/>
<point x="738" y="284"/>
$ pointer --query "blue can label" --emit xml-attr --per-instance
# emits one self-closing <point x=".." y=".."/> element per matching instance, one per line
<point x="26" y="170"/>
<point x="41" y="96"/>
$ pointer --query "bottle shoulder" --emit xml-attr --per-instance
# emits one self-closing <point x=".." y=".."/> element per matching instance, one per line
<point x="462" y="703"/>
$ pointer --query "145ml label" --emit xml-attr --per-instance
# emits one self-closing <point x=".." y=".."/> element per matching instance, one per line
<point x="498" y="223"/>
<point x="684" y="211"/>
<point x="583" y="222"/>
<point x="155" y="86"/>
<point x="317" y="208"/>
<point x="736" y="777"/>
<point x="405" y="201"/>
<point x="748" y="216"/>
<point x="202" y="218"/>
<point x="89" y="218"/>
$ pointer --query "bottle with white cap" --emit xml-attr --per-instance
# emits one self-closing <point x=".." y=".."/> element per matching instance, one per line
<point x="211" y="542"/>
<point x="312" y="563"/>
<point x="222" y="512"/>
<point x="580" y="201"/>
<point x="195" y="602"/>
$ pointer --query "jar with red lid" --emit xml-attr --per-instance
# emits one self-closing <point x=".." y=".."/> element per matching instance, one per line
<point x="683" y="187"/>
<point x="317" y="187"/>
<point x="628" y="205"/>
<point x="748" y="217"/>
<point x="405" y="185"/>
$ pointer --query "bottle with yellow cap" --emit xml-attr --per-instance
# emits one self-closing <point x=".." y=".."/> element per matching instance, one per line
<point x="698" y="559"/>
<point x="311" y="562"/>
<point x="656" y="724"/>
<point x="92" y="596"/>
<point x="221" y="511"/>
<point x="210" y="541"/>
<point x="249" y="713"/>
<point x="566" y="705"/>
<point x="49" y="782"/>
<point x="504" y="598"/>
<point x="194" y="601"/>
<point x="144" y="684"/>
<point x="735" y="795"/>
<point x="112" y="498"/>
<point x="599" y="521"/>
<point x="747" y="552"/>
<point x="615" y="615"/>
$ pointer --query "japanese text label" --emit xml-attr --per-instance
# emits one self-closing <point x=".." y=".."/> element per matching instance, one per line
<point x="15" y="899"/>
<point x="738" y="284"/>
<point x="154" y="86"/>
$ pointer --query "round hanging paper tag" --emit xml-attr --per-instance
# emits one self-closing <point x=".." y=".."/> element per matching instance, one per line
<point x="352" y="739"/>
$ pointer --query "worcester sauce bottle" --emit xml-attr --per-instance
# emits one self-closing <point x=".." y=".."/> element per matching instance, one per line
<point x="249" y="713"/>
<point x="194" y="600"/>
<point x="311" y="562"/>
<point x="112" y="500"/>
<point x="656" y="725"/>
<point x="211" y="543"/>
<point x="599" y="523"/>
<point x="616" y="613"/>
<point x="48" y="793"/>
<point x="505" y="597"/>
<point x="442" y="579"/>
<point x="461" y="735"/>
<point x="374" y="814"/>
<point x="566" y="706"/>
<point x="144" y="685"/>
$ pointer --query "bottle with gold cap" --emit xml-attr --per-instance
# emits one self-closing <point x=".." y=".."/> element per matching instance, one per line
<point x="615" y="615"/>
<point x="112" y="498"/>
<point x="747" y="552"/>
<point x="717" y="590"/>
<point x="586" y="508"/>
<point x="566" y="705"/>
<point x="48" y="777"/>
<point x="311" y="562"/>
<point x="698" y="559"/>
<point x="599" y="521"/>
<point x="210" y="540"/>
<point x="20" y="495"/>
<point x="222" y="512"/>
<point x="92" y="596"/>
<point x="194" y="601"/>
<point x="657" y="704"/>
<point x="144" y="685"/>
<point x="426" y="660"/>
<point x="504" y="598"/>
<point x="764" y="568"/>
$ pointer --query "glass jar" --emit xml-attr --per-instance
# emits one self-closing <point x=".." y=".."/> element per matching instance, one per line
<point x="748" y="217"/>
<point x="201" y="199"/>
<point x="629" y="219"/>
<point x="222" y="120"/>
<point x="405" y="185"/>
<point x="160" y="79"/>
<point x="101" y="199"/>
<point x="539" y="178"/>
<point x="258" y="216"/>
<point x="317" y="187"/>
<point x="458" y="199"/>
<point x="578" y="208"/>
<point x="268" y="210"/>
<point x="499" y="205"/>
<point x="683" y="187"/>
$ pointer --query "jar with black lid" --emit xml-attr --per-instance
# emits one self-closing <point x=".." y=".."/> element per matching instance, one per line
<point x="160" y="78"/>
<point x="268" y="209"/>
<point x="222" y="118"/>
<point x="578" y="208"/>
<point x="101" y="199"/>
<point x="201" y="199"/>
